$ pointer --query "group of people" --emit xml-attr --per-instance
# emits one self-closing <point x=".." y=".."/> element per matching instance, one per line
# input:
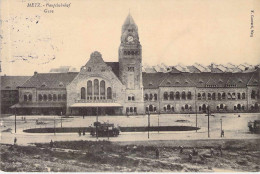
<point x="83" y="132"/>
<point x="23" y="119"/>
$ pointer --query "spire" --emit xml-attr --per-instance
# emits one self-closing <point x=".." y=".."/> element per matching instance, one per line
<point x="129" y="22"/>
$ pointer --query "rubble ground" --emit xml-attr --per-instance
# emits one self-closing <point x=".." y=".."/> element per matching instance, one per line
<point x="135" y="156"/>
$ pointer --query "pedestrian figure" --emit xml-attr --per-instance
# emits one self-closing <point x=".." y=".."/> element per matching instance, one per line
<point x="194" y="151"/>
<point x="190" y="157"/>
<point x="181" y="149"/>
<point x="211" y="151"/>
<point x="79" y="132"/>
<point x="238" y="115"/>
<point x="220" y="150"/>
<point x="157" y="153"/>
<point x="22" y="118"/>
<point x="83" y="132"/>
<point x="15" y="141"/>
<point x="222" y="133"/>
<point x="51" y="144"/>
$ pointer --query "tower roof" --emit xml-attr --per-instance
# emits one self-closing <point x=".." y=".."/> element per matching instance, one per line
<point x="129" y="22"/>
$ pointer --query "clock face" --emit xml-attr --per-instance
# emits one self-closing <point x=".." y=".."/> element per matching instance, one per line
<point x="130" y="38"/>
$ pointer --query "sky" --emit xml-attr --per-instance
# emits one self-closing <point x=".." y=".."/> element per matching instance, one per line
<point x="170" y="32"/>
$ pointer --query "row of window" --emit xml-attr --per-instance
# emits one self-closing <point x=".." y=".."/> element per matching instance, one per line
<point x="254" y="94"/>
<point x="131" y="53"/>
<point x="177" y="96"/>
<point x="99" y="92"/>
<point x="230" y="96"/>
<point x="150" y="97"/>
<point x="45" y="97"/>
<point x="131" y="98"/>
<point x="131" y="110"/>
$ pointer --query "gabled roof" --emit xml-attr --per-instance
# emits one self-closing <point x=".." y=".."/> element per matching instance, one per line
<point x="176" y="80"/>
<point x="12" y="82"/>
<point x="153" y="80"/>
<point x="254" y="81"/>
<point x="50" y="80"/>
<point x="115" y="67"/>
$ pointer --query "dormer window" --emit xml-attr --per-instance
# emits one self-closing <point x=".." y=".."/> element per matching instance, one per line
<point x="150" y="84"/>
<point x="61" y="84"/>
<point x="255" y="81"/>
<point x="220" y="81"/>
<point x="177" y="82"/>
<point x="44" y="85"/>
<point x="186" y="82"/>
<point x="200" y="81"/>
<point x="89" y="69"/>
<point x="168" y="82"/>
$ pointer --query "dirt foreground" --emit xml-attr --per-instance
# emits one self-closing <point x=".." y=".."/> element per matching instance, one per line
<point x="105" y="156"/>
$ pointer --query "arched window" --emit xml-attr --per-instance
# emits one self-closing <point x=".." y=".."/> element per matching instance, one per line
<point x="217" y="107"/>
<point x="238" y="107"/>
<point x="44" y="97"/>
<point x="155" y="97"/>
<point x="165" y="96"/>
<point x="233" y="96"/>
<point x="135" y="109"/>
<point x="54" y="97"/>
<point x="183" y="96"/>
<point x="109" y="93"/>
<point x="199" y="108"/>
<point x="219" y="96"/>
<point x="229" y="95"/>
<point x="238" y="96"/>
<point x="256" y="107"/>
<point x="213" y="96"/>
<point x="253" y="94"/>
<point x="186" y="106"/>
<point x="50" y="97"/>
<point x="221" y="106"/>
<point x="235" y="108"/>
<point x="25" y="98"/>
<point x="199" y="96"/>
<point x="40" y="97"/>
<point x="168" y="107"/>
<point x="243" y="95"/>
<point x="209" y="96"/>
<point x="131" y="109"/>
<point x="164" y="108"/>
<point x="204" y="96"/>
<point x="89" y="89"/>
<point x="171" y="95"/>
<point x="64" y="97"/>
<point x="189" y="95"/>
<point x="127" y="110"/>
<point x="30" y="97"/>
<point x="204" y="107"/>
<point x="145" y="97"/>
<point x="133" y="98"/>
<point x="96" y="87"/>
<point x="190" y="108"/>
<point x="59" y="97"/>
<point x="177" y="95"/>
<point x="151" y="97"/>
<point x="151" y="108"/>
<point x="223" y="96"/>
<point x="102" y="88"/>
<point x="83" y="93"/>
<point x="172" y="109"/>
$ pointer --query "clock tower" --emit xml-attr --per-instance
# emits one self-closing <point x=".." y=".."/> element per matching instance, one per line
<point x="130" y="64"/>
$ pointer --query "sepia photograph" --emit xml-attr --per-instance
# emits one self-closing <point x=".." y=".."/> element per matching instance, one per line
<point x="130" y="86"/>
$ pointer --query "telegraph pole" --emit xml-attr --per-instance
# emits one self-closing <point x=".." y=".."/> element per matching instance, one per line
<point x="208" y="121"/>
<point x="97" y="124"/>
<point x="196" y="110"/>
<point x="54" y="126"/>
<point x="15" y="119"/>
<point x="148" y="124"/>
<point x="158" y="121"/>
<point x="61" y="119"/>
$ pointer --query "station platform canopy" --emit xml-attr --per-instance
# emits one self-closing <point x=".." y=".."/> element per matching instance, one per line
<point x="93" y="105"/>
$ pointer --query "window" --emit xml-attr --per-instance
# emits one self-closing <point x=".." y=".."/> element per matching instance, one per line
<point x="59" y="97"/>
<point x="25" y="98"/>
<point x="177" y="95"/>
<point x="145" y="97"/>
<point x="50" y="97"/>
<point x="64" y="97"/>
<point x="131" y="109"/>
<point x="127" y="110"/>
<point x="151" y="97"/>
<point x="183" y="96"/>
<point x="213" y="96"/>
<point x="253" y="94"/>
<point x="186" y="106"/>
<point x="243" y="95"/>
<point x="30" y="97"/>
<point x="155" y="97"/>
<point x="96" y="87"/>
<point x="131" y="69"/>
<point x="89" y="69"/>
<point x="209" y="96"/>
<point x="223" y="96"/>
<point x="151" y="108"/>
<point x="199" y="96"/>
<point x="54" y="97"/>
<point x="102" y="88"/>
<point x="133" y="98"/>
<point x="219" y="96"/>
<point x="168" y="107"/>
<point x="83" y="93"/>
<point x="44" y="97"/>
<point x="189" y="95"/>
<point x="135" y="109"/>
<point x="165" y="96"/>
<point x="89" y="89"/>
<point x="129" y="98"/>
<point x="238" y="96"/>
<point x="233" y="96"/>
<point x="40" y="97"/>
<point x="171" y="95"/>
<point x="221" y="106"/>
<point x="109" y="93"/>
<point x="238" y="107"/>
<point x="203" y="96"/>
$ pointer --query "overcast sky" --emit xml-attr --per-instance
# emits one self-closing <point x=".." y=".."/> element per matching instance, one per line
<point x="170" y="31"/>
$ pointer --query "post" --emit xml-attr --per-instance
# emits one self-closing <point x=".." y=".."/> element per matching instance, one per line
<point x="208" y="121"/>
<point x="54" y="126"/>
<point x="148" y="124"/>
<point x="221" y="127"/>
<point x="196" y="110"/>
<point x="96" y="124"/>
<point x="61" y="119"/>
<point x="158" y="122"/>
<point x="15" y="119"/>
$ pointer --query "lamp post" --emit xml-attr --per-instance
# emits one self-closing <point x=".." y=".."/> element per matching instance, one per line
<point x="208" y="120"/>
<point x="148" y="124"/>
<point x="97" y="124"/>
<point x="61" y="119"/>
<point x="15" y="118"/>
<point x="54" y="126"/>
<point x="158" y="121"/>
<point x="221" y="127"/>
